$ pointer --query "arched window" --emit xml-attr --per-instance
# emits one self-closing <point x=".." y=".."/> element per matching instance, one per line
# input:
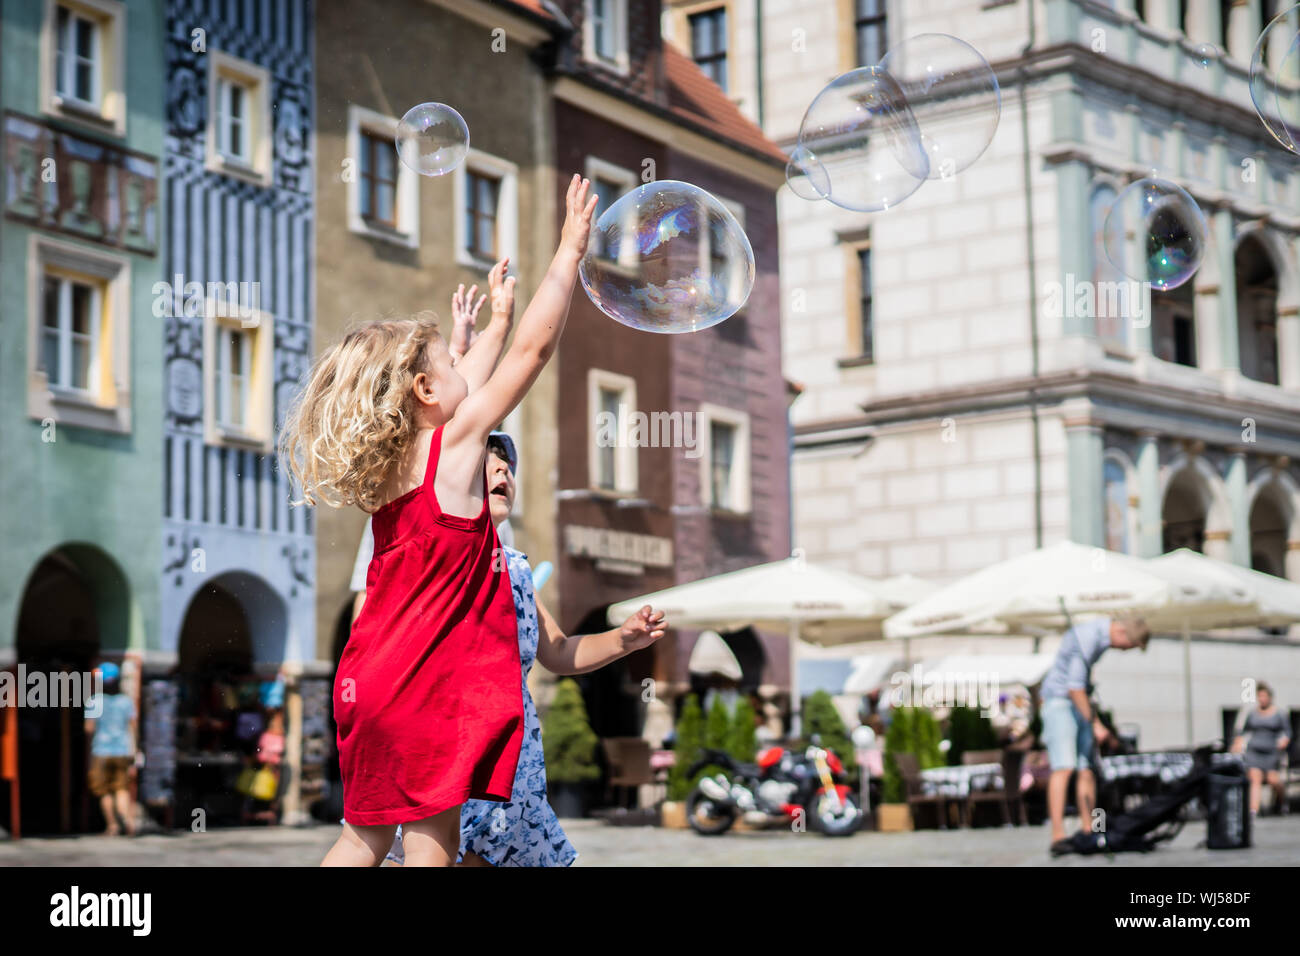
<point x="1256" y="311"/>
<point x="1115" y="491"/>
<point x="1112" y="323"/>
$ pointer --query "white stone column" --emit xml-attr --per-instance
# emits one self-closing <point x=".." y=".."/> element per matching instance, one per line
<point x="1243" y="30"/>
<point x="1218" y="545"/>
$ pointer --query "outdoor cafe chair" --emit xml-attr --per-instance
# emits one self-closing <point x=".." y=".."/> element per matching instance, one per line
<point x="910" y="769"/>
<point x="1007" y="797"/>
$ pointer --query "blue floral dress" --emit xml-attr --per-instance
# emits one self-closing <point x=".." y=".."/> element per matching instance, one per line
<point x="524" y="831"/>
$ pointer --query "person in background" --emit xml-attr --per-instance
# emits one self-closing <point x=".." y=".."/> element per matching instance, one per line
<point x="1069" y="724"/>
<point x="1264" y="738"/>
<point x="270" y="753"/>
<point x="112" y="750"/>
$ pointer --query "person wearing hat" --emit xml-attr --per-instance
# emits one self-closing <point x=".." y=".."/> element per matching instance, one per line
<point x="110" y="723"/>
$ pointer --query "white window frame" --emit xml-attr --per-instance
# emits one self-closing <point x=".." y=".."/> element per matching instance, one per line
<point x="406" y="201"/>
<point x="106" y="110"/>
<point x="106" y="404"/>
<point x="740" y="465"/>
<point x="255" y="166"/>
<point x="66" y="335"/>
<point x="626" y="478"/>
<point x="507" y="207"/>
<point x="257" y="431"/>
<point x="620" y="61"/>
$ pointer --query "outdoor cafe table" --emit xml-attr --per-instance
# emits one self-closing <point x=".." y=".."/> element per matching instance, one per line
<point x="1165" y="766"/>
<point x="958" y="781"/>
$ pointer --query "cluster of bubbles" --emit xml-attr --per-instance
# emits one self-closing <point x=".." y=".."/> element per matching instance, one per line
<point x="1274" y="74"/>
<point x="432" y="139"/>
<point x="668" y="257"/>
<point x="927" y="110"/>
<point x="1155" y="233"/>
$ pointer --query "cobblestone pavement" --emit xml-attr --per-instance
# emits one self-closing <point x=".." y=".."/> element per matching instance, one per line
<point x="1277" y="844"/>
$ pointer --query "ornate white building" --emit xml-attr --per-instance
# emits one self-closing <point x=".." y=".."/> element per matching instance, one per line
<point x="963" y="403"/>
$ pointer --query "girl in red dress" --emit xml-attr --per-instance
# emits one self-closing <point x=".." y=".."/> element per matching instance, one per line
<point x="427" y="696"/>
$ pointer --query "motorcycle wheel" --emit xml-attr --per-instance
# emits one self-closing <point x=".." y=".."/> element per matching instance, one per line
<point x="706" y="817"/>
<point x="824" y="819"/>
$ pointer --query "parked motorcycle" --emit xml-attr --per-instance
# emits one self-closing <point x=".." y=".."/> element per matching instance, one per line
<point x="781" y="786"/>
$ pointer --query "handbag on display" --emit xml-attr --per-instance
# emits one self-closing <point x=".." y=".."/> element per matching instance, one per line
<point x="263" y="785"/>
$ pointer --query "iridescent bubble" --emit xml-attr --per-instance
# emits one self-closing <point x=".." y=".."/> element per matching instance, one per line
<point x="1205" y="54"/>
<point x="863" y="133"/>
<point x="806" y="176"/>
<point x="1155" y="232"/>
<point x="668" y="257"/>
<point x="432" y="139"/>
<point x="953" y="94"/>
<point x="1276" y="58"/>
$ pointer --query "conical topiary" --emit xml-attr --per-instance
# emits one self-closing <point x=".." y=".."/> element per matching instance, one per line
<point x="744" y="743"/>
<point x="820" y="718"/>
<point x="686" y="748"/>
<point x="568" y="741"/>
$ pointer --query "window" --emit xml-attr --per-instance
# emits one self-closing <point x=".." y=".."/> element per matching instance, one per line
<point x="234" y="370"/>
<point x="1116" y="505"/>
<point x="724" y="459"/>
<point x="1173" y="325"/>
<point x="612" y="464"/>
<point x="383" y="195"/>
<point x="867" y="340"/>
<point x="79" y="335"/>
<point x="487" y="204"/>
<point x="237" y="372"/>
<point x="605" y="33"/>
<point x="610" y="183"/>
<point x="81" y="62"/>
<point x="378" y="195"/>
<point x="232" y="119"/>
<point x="481" y="215"/>
<point x="239" y="118"/>
<point x="869" y="31"/>
<point x="709" y="43"/>
<point x="76" y="74"/>
<point x="70" y="336"/>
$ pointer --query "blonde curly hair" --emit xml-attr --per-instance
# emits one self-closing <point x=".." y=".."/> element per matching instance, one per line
<point x="355" y="419"/>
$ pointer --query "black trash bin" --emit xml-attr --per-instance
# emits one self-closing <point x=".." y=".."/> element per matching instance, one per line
<point x="1227" y="811"/>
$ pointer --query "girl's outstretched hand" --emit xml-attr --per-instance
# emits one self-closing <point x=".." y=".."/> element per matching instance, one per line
<point x="503" y="291"/>
<point x="464" y="313"/>
<point x="642" y="629"/>
<point x="579" y="210"/>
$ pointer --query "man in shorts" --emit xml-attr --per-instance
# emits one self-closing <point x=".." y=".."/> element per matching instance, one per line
<point x="112" y="750"/>
<point x="1069" y="725"/>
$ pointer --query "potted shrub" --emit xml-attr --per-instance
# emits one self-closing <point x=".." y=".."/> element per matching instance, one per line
<point x="968" y="729"/>
<point x="689" y="735"/>
<point x="822" y="720"/>
<point x="570" y="747"/>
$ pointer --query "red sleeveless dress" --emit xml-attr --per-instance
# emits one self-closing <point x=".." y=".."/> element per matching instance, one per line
<point x="427" y="697"/>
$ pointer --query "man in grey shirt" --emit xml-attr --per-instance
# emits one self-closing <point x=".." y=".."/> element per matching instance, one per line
<point x="1068" y="720"/>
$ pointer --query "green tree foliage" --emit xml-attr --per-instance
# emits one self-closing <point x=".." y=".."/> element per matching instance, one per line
<point x="912" y="730"/>
<point x="686" y="748"/>
<point x="820" y="718"/>
<point x="969" y="730"/>
<point x="743" y="745"/>
<point x="568" y="741"/>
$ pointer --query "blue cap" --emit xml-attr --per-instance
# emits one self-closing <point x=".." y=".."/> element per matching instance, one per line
<point x="109" y="671"/>
<point x="508" y="445"/>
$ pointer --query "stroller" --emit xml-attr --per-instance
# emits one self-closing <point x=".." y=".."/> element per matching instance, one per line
<point x="1221" y="790"/>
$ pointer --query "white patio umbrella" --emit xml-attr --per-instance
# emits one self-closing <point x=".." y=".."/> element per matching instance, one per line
<point x="822" y="604"/>
<point x="1271" y="602"/>
<point x="1049" y="586"/>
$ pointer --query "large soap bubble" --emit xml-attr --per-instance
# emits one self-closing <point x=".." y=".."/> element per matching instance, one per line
<point x="432" y="139"/>
<point x="806" y="176"/>
<point x="668" y="257"/>
<point x="954" y="97"/>
<point x="863" y="133"/>
<point x="1155" y="232"/>
<point x="1277" y="58"/>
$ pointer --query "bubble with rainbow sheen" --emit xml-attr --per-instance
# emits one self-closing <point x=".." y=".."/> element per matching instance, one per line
<point x="1155" y="233"/>
<point x="668" y="257"/>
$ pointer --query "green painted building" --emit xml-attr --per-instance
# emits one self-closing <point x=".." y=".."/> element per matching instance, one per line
<point x="81" y="477"/>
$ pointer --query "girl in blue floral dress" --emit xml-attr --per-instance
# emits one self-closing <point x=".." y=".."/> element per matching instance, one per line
<point x="525" y="831"/>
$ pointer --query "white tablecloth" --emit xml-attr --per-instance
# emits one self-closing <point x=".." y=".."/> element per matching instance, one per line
<point x="959" y="781"/>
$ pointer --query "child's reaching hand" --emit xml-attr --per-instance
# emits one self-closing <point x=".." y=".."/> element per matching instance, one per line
<point x="464" y="313"/>
<point x="503" y="292"/>
<point x="642" y="629"/>
<point x="578" y="216"/>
